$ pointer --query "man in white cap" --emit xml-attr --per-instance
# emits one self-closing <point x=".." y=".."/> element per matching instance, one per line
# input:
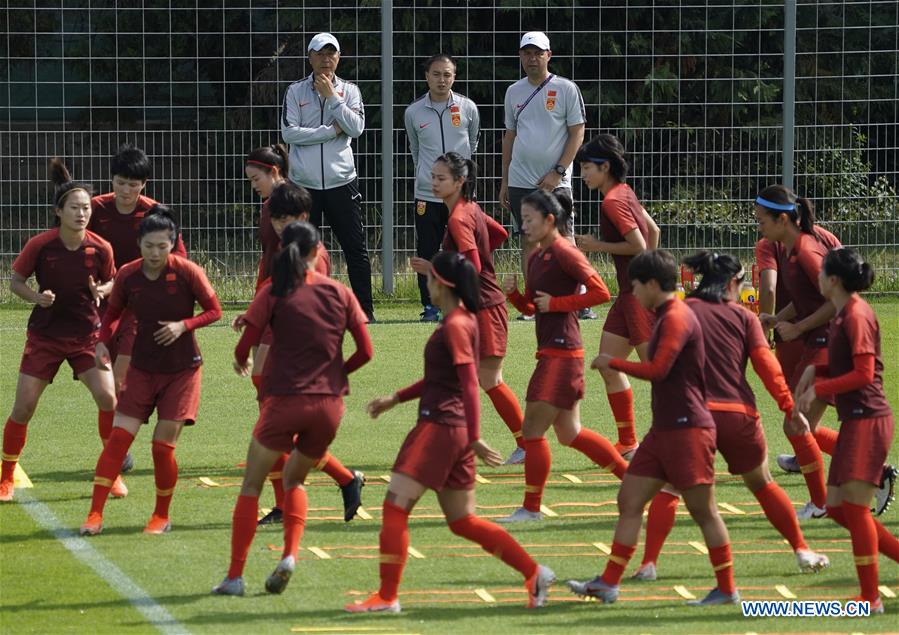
<point x="320" y="117"/>
<point x="545" y="119"/>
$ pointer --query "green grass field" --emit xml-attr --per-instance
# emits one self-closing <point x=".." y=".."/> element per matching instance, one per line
<point x="44" y="588"/>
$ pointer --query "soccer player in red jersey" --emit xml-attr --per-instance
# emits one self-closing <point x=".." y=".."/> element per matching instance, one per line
<point x="555" y="270"/>
<point x="735" y="336"/>
<point x="116" y="217"/>
<point x="74" y="269"/>
<point x="476" y="236"/>
<point x="303" y="391"/>
<point x="286" y="204"/>
<point x="788" y="219"/>
<point x="680" y="446"/>
<point x="160" y="290"/>
<point x="853" y="375"/>
<point x="438" y="453"/>
<point x="265" y="168"/>
<point x="626" y="230"/>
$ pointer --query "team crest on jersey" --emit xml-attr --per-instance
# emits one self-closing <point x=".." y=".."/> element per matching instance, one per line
<point x="456" y="116"/>
<point x="550" y="99"/>
<point x="420" y="207"/>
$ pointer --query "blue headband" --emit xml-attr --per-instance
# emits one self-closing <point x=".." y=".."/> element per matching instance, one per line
<point x="783" y="207"/>
<point x="597" y="160"/>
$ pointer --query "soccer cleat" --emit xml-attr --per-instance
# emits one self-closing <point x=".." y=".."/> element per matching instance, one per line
<point x="716" y="598"/>
<point x="7" y="491"/>
<point x="595" y="588"/>
<point x="876" y="605"/>
<point x="352" y="495"/>
<point x="277" y="581"/>
<point x="811" y="562"/>
<point x="274" y="517"/>
<point x="430" y="314"/>
<point x="127" y="464"/>
<point x="92" y="526"/>
<point x="626" y="451"/>
<point x="516" y="458"/>
<point x="788" y="463"/>
<point x="229" y="586"/>
<point x="118" y="489"/>
<point x="158" y="525"/>
<point x="587" y="314"/>
<point x="538" y="586"/>
<point x="520" y="515"/>
<point x="646" y="572"/>
<point x="884" y="494"/>
<point x="811" y="511"/>
<point x="374" y="604"/>
<point x="525" y="318"/>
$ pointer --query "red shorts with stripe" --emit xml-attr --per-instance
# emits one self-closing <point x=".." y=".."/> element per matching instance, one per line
<point x="627" y="318"/>
<point x="43" y="356"/>
<point x="437" y="456"/>
<point x="558" y="381"/>
<point x="174" y="396"/>
<point x="493" y="327"/>
<point x="312" y="419"/>
<point x="685" y="457"/>
<point x="861" y="450"/>
<point x="788" y="354"/>
<point x="810" y="356"/>
<point x="741" y="440"/>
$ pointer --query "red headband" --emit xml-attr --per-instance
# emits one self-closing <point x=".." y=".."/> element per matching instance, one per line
<point x="265" y="165"/>
<point x="441" y="279"/>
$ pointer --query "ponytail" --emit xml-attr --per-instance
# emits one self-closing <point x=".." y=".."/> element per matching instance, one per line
<point x="298" y="240"/>
<point x="605" y="148"/>
<point x="779" y="199"/>
<point x="267" y="158"/>
<point x="61" y="178"/>
<point x="717" y="270"/>
<point x="847" y="265"/>
<point x="559" y="205"/>
<point x="159" y="218"/>
<point x="806" y="212"/>
<point x="461" y="168"/>
<point x="459" y="275"/>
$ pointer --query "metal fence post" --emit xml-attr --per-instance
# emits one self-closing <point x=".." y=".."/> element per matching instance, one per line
<point x="789" y="92"/>
<point x="387" y="145"/>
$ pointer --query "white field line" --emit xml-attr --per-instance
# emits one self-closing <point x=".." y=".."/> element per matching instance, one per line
<point x="154" y="613"/>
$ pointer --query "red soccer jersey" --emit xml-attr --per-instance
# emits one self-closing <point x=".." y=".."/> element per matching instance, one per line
<point x="121" y="229"/>
<point x="269" y="242"/>
<point x="676" y="369"/>
<point x="467" y="230"/>
<point x="557" y="270"/>
<point x="74" y="312"/>
<point x="729" y="333"/>
<point x="453" y="343"/>
<point x="307" y="328"/>
<point x="768" y="253"/>
<point x="620" y="214"/>
<point x="170" y="298"/>
<point x="855" y="331"/>
<point x="799" y="270"/>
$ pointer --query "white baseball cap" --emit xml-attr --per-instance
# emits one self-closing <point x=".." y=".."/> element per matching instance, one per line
<point x="535" y="38"/>
<point x="321" y="40"/>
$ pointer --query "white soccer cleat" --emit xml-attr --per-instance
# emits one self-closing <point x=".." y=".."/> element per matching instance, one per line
<point x="521" y="515"/>
<point x="595" y="588"/>
<point x="277" y="581"/>
<point x="811" y="562"/>
<point x="716" y="598"/>
<point x="538" y="586"/>
<point x="788" y="463"/>
<point x="811" y="511"/>
<point x="516" y="458"/>
<point x="646" y="572"/>
<point x="229" y="586"/>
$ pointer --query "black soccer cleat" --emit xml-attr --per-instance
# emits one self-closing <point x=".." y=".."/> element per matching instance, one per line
<point x="274" y="517"/>
<point x="127" y="464"/>
<point x="352" y="495"/>
<point x="885" y="492"/>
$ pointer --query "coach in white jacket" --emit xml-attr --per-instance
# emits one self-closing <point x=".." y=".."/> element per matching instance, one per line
<point x="320" y="117"/>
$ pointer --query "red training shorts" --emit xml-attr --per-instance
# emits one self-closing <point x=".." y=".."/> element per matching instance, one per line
<point x="559" y="381"/>
<point x="312" y="419"/>
<point x="437" y="456"/>
<point x="684" y="457"/>
<point x="43" y="356"/>
<point x="174" y="396"/>
<point x="627" y="318"/>
<point x="493" y="326"/>
<point x="861" y="451"/>
<point x="788" y="354"/>
<point x="740" y="440"/>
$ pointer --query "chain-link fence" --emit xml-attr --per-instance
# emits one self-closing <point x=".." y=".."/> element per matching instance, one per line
<point x="695" y="90"/>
